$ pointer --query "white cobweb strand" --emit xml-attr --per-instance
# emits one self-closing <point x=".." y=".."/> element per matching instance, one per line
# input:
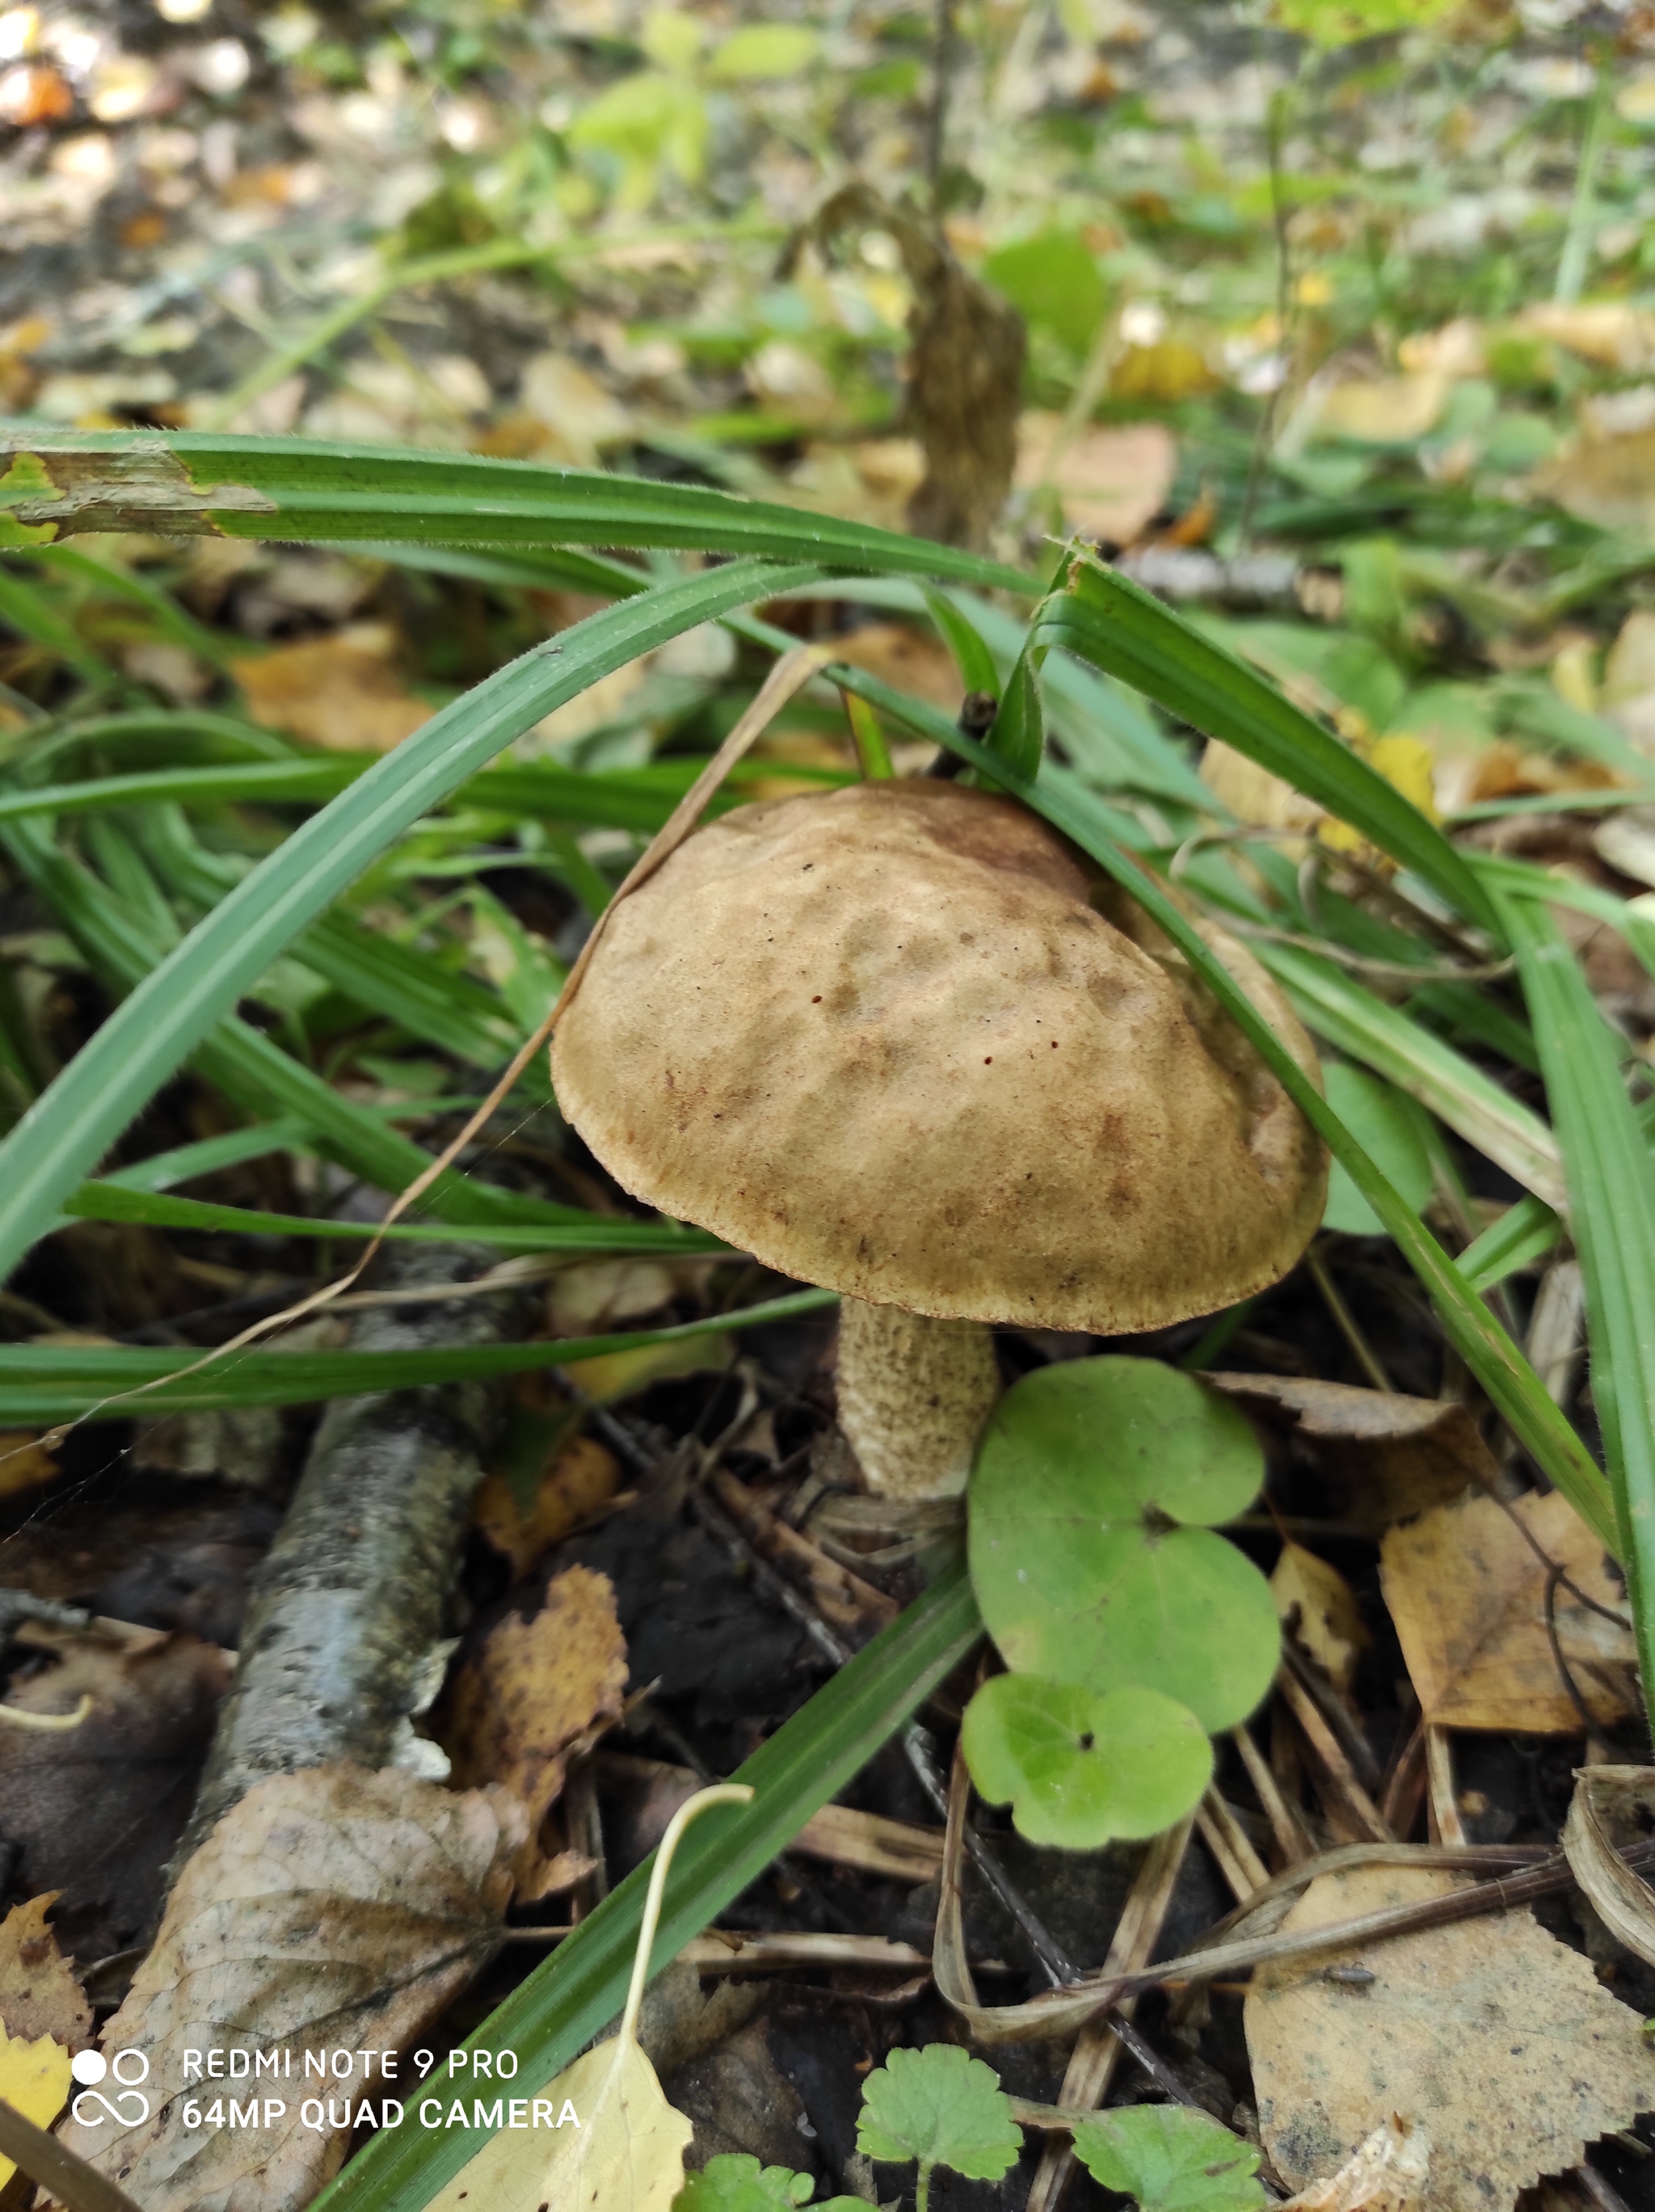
<point x="914" y="1394"/>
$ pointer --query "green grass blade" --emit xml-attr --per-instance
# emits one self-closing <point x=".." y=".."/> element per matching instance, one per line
<point x="1611" y="1179"/>
<point x="276" y="782"/>
<point x="1407" y="1053"/>
<point x="574" y="1996"/>
<point x="41" y="1383"/>
<point x="583" y="1231"/>
<point x="1512" y="1384"/>
<point x="71" y="1125"/>
<point x="1526" y="1231"/>
<point x="250" y="1068"/>
<point x="1113" y="622"/>
<point x="297" y="488"/>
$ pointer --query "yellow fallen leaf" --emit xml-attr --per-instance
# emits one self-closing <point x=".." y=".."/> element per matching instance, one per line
<point x="1467" y="1592"/>
<point x="1611" y="332"/>
<point x="580" y="1480"/>
<point x="35" y="2079"/>
<point x="343" y="692"/>
<point x="1320" y="1606"/>
<point x="1388" y="411"/>
<point x="24" y="1461"/>
<point x="613" y="1376"/>
<point x="626" y="2151"/>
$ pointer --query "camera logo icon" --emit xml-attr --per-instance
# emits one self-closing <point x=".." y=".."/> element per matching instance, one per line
<point x="127" y="2068"/>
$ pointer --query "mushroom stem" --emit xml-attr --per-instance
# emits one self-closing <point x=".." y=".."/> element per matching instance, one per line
<point x="914" y="1394"/>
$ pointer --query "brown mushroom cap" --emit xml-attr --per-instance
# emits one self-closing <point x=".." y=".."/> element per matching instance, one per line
<point x="886" y="1039"/>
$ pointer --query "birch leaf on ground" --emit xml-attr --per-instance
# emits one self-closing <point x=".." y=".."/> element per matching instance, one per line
<point x="533" y="1695"/>
<point x="34" y="2080"/>
<point x="1499" y="2040"/>
<point x="625" y="2151"/>
<point x="1468" y="1594"/>
<point x="39" y="1992"/>
<point x="332" y="1909"/>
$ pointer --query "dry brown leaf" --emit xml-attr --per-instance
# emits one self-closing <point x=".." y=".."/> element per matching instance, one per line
<point x="343" y="692"/>
<point x="1605" y="477"/>
<point x="331" y="1909"/>
<point x="1499" y="2039"/>
<point x="535" y="1692"/>
<point x="1611" y="1807"/>
<point x="1388" y="2171"/>
<point x="906" y="658"/>
<point x="1383" y="1455"/>
<point x="1611" y="332"/>
<point x="39" y="1992"/>
<point x="582" y="1478"/>
<point x="1320" y="1607"/>
<point x="97" y="1813"/>
<point x="1467" y="1594"/>
<point x="593" y="1296"/>
<point x="24" y="1461"/>
<point x="1112" y="480"/>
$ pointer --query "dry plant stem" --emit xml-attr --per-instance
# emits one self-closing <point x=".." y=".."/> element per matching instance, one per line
<point x="1290" y="1837"/>
<point x="1446" y="1826"/>
<point x="352" y="1596"/>
<point x="914" y="1394"/>
<point x="69" y="2179"/>
<point x="1097" y="2047"/>
<point x="1351" y="1801"/>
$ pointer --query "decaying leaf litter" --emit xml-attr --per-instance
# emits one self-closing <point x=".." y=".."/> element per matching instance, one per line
<point x="1344" y="347"/>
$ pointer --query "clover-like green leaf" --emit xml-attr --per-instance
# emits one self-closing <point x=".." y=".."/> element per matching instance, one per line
<point x="734" y="2181"/>
<point x="1092" y="1552"/>
<point x="941" y="2107"/>
<point x="1077" y="1768"/>
<point x="1172" y="2159"/>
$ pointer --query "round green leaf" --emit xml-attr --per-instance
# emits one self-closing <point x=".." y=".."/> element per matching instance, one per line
<point x="1172" y="2159"/>
<point x="766" y="50"/>
<point x="1078" y="1769"/>
<point x="1083" y="1564"/>
<point x="943" y="2108"/>
<point x="1385" y="1122"/>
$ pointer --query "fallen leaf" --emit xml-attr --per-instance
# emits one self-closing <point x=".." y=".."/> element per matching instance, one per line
<point x="1390" y="411"/>
<point x="1385" y="1456"/>
<point x="535" y="1693"/>
<point x="1112" y="481"/>
<point x="1252" y="793"/>
<point x="582" y="1478"/>
<point x="39" y="1992"/>
<point x="576" y="417"/>
<point x="613" y="1376"/>
<point x="1467" y="1594"/>
<point x="97" y="1811"/>
<point x="907" y="659"/>
<point x="34" y="2080"/>
<point x="593" y="1298"/>
<point x="24" y="1461"/>
<point x="626" y="2154"/>
<point x="1611" y="1807"/>
<point x="1605" y="477"/>
<point x="1388" y="2171"/>
<point x="1320" y="1607"/>
<point x="343" y="692"/>
<point x="330" y="1909"/>
<point x="1611" y="332"/>
<point x="1500" y="2038"/>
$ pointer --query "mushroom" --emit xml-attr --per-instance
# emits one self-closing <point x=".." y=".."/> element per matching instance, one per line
<point x="904" y="1041"/>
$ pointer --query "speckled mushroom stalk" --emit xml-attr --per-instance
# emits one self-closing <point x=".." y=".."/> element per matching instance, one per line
<point x="902" y="1041"/>
<point x="914" y="1394"/>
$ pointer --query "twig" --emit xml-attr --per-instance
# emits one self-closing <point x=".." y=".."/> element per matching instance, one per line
<point x="1366" y="1358"/>
<point x="1352" y="1799"/>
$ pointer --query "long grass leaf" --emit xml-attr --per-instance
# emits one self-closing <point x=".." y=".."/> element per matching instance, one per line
<point x="298" y="488"/>
<point x="570" y="1999"/>
<point x="46" y="1382"/>
<point x="1611" y="1179"/>
<point x="68" y="1128"/>
<point x="1114" y="623"/>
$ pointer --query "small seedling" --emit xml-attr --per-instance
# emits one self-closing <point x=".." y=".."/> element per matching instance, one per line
<point x="1093" y="1555"/>
<point x="736" y="2182"/>
<point x="1077" y="1769"/>
<point x="1171" y="2159"/>
<point x="937" y="2106"/>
